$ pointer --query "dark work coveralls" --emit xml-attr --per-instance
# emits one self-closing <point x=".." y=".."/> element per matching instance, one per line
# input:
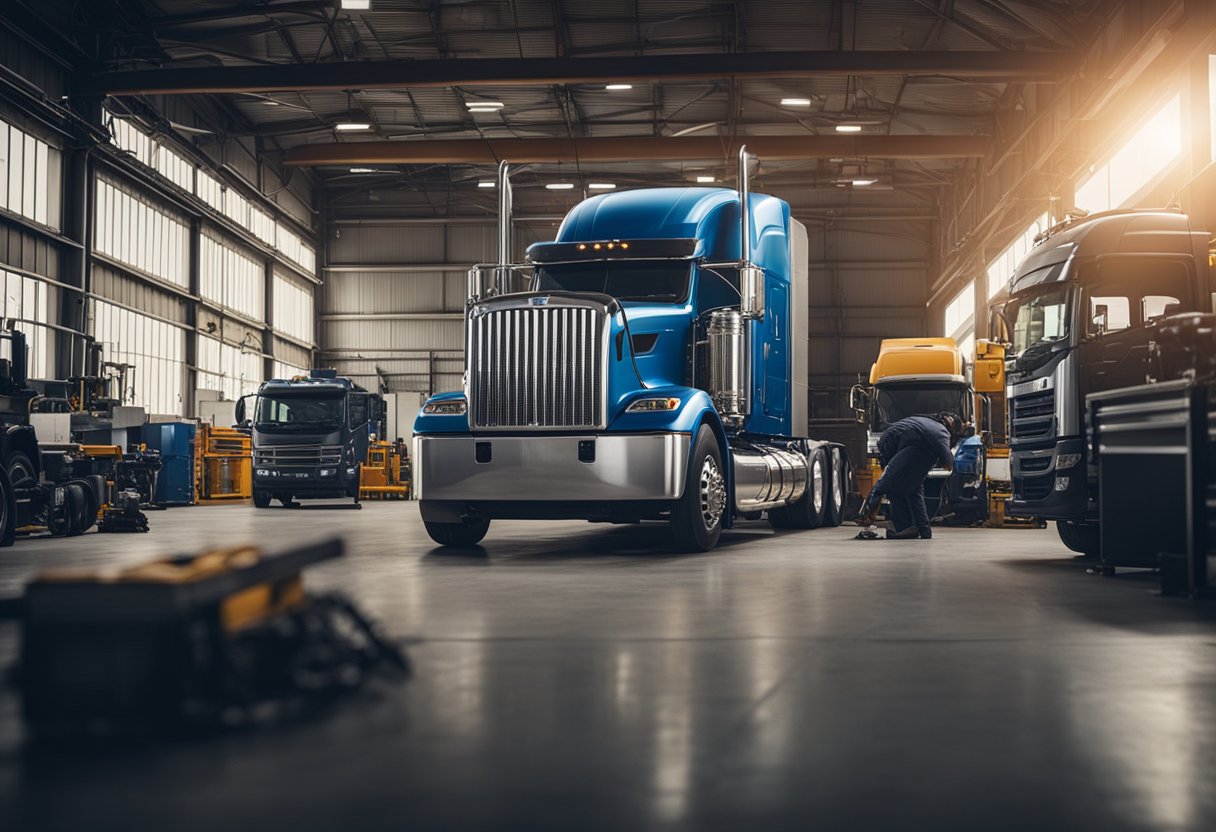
<point x="907" y="450"/>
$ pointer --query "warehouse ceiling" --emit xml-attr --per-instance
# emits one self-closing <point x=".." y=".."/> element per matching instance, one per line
<point x="921" y="83"/>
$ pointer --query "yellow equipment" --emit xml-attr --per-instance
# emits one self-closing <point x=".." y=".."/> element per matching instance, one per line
<point x="223" y="464"/>
<point x="990" y="404"/>
<point x="380" y="475"/>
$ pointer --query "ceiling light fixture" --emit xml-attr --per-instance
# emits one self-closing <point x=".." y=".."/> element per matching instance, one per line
<point x="861" y="183"/>
<point x="362" y="170"/>
<point x="795" y="102"/>
<point x="489" y="105"/>
<point x="482" y="110"/>
<point x="848" y="128"/>
<point x="357" y="5"/>
<point x="352" y="125"/>
<point x="560" y="186"/>
<point x="705" y="180"/>
<point x="486" y="183"/>
<point x="601" y="186"/>
<point x="618" y="86"/>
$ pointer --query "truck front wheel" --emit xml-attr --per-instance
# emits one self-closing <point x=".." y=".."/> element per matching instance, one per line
<point x="261" y="498"/>
<point x="459" y="535"/>
<point x="696" y="519"/>
<point x="1080" y="537"/>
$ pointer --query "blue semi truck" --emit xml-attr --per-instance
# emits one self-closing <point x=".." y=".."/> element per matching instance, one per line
<point x="655" y="368"/>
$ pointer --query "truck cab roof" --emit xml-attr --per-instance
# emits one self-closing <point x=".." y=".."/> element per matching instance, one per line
<point x="708" y="217"/>
<point x="1113" y="232"/>
<point x="918" y="359"/>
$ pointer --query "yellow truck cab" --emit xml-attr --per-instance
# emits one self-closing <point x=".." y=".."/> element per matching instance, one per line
<point x="910" y="377"/>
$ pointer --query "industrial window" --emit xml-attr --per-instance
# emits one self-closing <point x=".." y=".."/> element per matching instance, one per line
<point x="284" y="370"/>
<point x="210" y="190"/>
<point x="234" y="371"/>
<point x="130" y="230"/>
<point x="156" y="349"/>
<point x="1212" y="101"/>
<point x="1001" y="269"/>
<point x="1146" y="155"/>
<point x="230" y="277"/>
<point x="293" y="308"/>
<point x="296" y="250"/>
<point x="262" y="225"/>
<point x="236" y="207"/>
<point x="960" y="314"/>
<point x="154" y="154"/>
<point x="30" y="171"/>
<point x="27" y="302"/>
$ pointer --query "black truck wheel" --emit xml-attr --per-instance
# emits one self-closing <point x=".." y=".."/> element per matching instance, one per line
<point x="696" y="518"/>
<point x="21" y="471"/>
<point x="261" y="499"/>
<point x="838" y="482"/>
<point x="810" y="510"/>
<point x="8" y="511"/>
<point x="1080" y="537"/>
<point x="457" y="535"/>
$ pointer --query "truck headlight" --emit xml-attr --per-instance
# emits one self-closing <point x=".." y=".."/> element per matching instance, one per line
<point x="1067" y="460"/>
<point x="263" y="472"/>
<point x="654" y="405"/>
<point x="450" y="407"/>
<point x="328" y="472"/>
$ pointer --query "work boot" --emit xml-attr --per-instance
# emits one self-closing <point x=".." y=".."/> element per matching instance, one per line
<point x="909" y="533"/>
<point x="925" y="533"/>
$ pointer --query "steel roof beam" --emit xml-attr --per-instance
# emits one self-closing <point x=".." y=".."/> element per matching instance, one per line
<point x="633" y="149"/>
<point x="540" y="71"/>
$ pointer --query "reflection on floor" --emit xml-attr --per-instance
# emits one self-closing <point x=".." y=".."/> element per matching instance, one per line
<point x="576" y="676"/>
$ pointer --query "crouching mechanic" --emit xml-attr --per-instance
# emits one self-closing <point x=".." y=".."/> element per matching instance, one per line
<point x="907" y="450"/>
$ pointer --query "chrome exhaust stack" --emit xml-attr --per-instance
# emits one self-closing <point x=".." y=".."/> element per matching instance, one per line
<point x="491" y="281"/>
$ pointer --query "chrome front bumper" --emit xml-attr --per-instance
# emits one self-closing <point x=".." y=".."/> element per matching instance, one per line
<point x="547" y="468"/>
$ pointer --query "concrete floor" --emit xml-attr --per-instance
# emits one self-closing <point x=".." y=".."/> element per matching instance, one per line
<point x="575" y="676"/>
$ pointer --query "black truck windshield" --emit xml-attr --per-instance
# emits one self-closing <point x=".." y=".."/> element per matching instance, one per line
<point x="1039" y="316"/>
<point x="893" y="402"/>
<point x="309" y="411"/>
<point x="648" y="281"/>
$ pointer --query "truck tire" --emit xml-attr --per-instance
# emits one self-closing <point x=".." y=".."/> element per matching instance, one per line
<point x="838" y="480"/>
<point x="457" y="535"/>
<point x="810" y="510"/>
<point x="8" y="511"/>
<point x="20" y="469"/>
<point x="261" y="499"/>
<point x="1080" y="537"/>
<point x="696" y="518"/>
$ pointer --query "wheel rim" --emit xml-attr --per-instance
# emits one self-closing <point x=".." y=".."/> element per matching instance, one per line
<point x="817" y="484"/>
<point x="19" y="473"/>
<point x="713" y="493"/>
<point x="838" y="479"/>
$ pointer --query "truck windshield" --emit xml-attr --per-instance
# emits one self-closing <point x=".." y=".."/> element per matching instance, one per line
<point x="1039" y="316"/>
<point x="648" y="281"/>
<point x="893" y="402"/>
<point x="301" y="410"/>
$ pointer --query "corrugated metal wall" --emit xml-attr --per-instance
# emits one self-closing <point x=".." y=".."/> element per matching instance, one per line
<point x="402" y="329"/>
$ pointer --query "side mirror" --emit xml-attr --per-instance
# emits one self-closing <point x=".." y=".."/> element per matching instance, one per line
<point x="1100" y="318"/>
<point x="859" y="401"/>
<point x="240" y="410"/>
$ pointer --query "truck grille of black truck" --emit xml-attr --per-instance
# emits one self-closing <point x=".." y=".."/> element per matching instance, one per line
<point x="537" y="367"/>
<point x="1033" y="415"/>
<point x="1033" y="488"/>
<point x="304" y="456"/>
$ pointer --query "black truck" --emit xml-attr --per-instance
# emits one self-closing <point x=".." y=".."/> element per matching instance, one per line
<point x="1084" y="307"/>
<point x="310" y="436"/>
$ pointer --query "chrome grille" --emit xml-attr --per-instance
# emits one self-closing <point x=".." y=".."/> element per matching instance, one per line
<point x="537" y="367"/>
<point x="303" y="456"/>
<point x="1033" y="415"/>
